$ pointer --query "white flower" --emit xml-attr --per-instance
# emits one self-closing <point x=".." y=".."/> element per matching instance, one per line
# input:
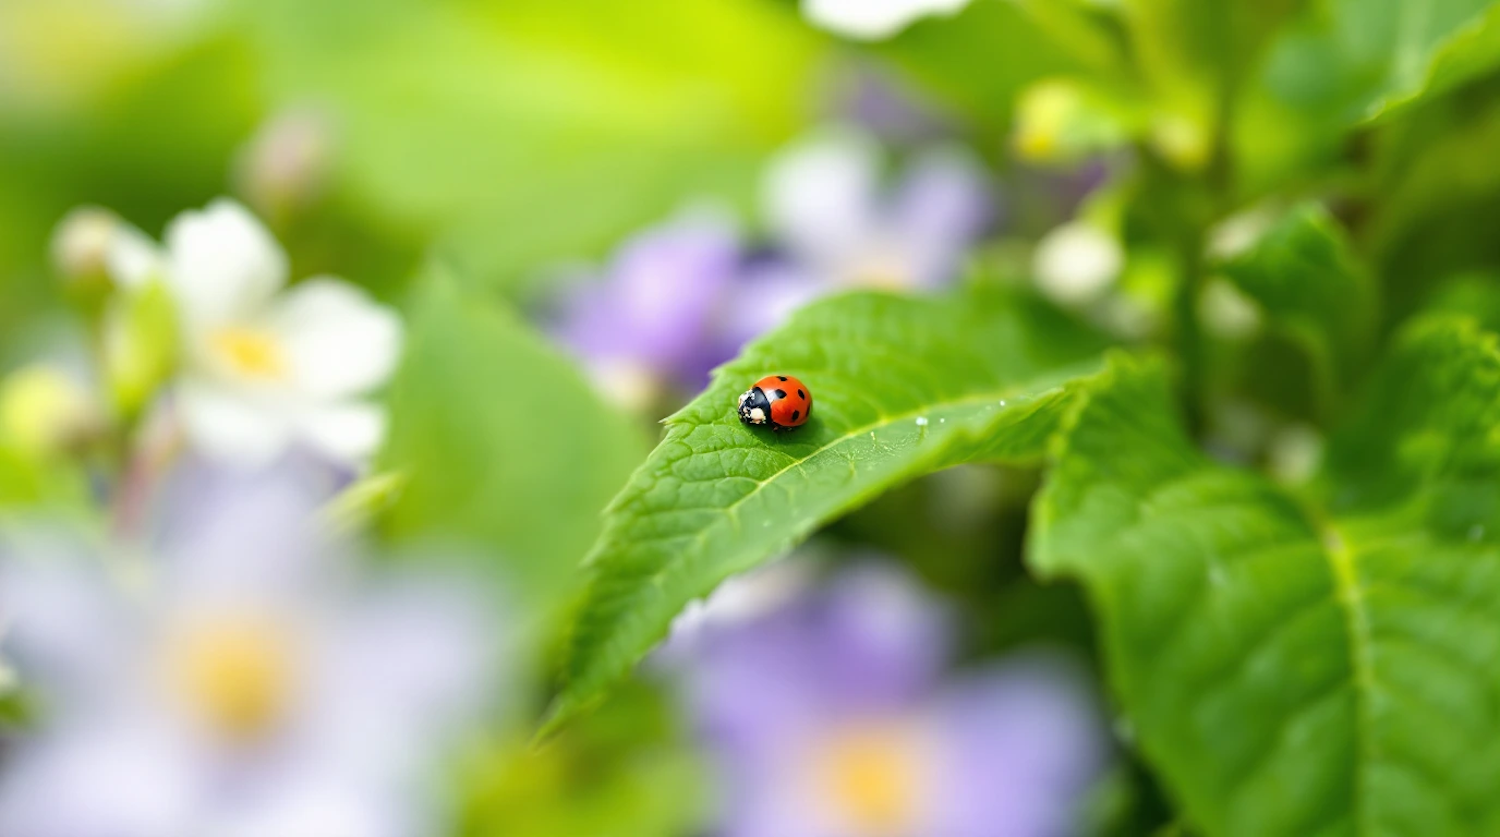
<point x="92" y="242"/>
<point x="1077" y="262"/>
<point x="266" y="368"/>
<point x="825" y="200"/>
<point x="248" y="682"/>
<point x="874" y="19"/>
<point x="1227" y="312"/>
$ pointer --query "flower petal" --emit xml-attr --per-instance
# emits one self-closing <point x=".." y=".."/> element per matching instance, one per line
<point x="874" y="19"/>
<point x="223" y="264"/>
<point x="349" y="432"/>
<point x="822" y="196"/>
<point x="131" y="258"/>
<point x="126" y="777"/>
<point x="338" y="341"/>
<point x="944" y="204"/>
<point x="230" y="426"/>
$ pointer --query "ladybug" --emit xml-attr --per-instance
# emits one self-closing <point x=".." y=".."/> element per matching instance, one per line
<point x="781" y="401"/>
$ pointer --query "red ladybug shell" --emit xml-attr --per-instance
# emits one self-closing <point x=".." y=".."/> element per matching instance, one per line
<point x="791" y="402"/>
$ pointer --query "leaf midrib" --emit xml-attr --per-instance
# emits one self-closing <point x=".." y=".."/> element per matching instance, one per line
<point x="1016" y="391"/>
<point x="732" y="510"/>
<point x="1341" y="561"/>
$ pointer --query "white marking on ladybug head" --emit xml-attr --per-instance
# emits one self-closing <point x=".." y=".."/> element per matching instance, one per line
<point x="743" y="396"/>
<point x="758" y="416"/>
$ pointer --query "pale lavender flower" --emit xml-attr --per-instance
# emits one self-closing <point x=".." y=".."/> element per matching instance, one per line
<point x="835" y="717"/>
<point x="683" y="297"/>
<point x="650" y="318"/>
<point x="245" y="680"/>
<point x="833" y="213"/>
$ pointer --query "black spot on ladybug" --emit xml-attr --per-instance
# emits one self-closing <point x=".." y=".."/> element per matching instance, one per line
<point x="796" y="413"/>
<point x="802" y="395"/>
<point x="781" y="377"/>
<point x="780" y="393"/>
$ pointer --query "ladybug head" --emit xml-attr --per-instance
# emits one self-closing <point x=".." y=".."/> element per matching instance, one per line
<point x="755" y="408"/>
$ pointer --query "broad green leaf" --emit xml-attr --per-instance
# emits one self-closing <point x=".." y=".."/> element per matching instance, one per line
<point x="1473" y="295"/>
<point x="501" y="442"/>
<point x="1313" y="292"/>
<point x="1437" y="187"/>
<point x="1346" y="61"/>
<point x="532" y="130"/>
<point x="1469" y="52"/>
<point x="1293" y="670"/>
<point x="901" y="387"/>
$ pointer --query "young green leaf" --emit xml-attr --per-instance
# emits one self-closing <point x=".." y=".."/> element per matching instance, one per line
<point x="1342" y="63"/>
<point x="514" y="116"/>
<point x="1461" y="55"/>
<point x="499" y="440"/>
<point x="1303" y="275"/>
<point x="1292" y="672"/>
<point x="901" y="387"/>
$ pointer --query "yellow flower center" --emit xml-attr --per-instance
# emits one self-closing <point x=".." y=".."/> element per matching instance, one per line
<point x="251" y="352"/>
<point x="882" y="268"/>
<point x="236" y="673"/>
<point x="872" y="775"/>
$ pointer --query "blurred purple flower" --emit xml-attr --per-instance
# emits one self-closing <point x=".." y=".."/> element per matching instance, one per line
<point x="830" y="210"/>
<point x="680" y="298"/>
<point x="831" y="718"/>
<point x="650" y="317"/>
<point x="246" y="681"/>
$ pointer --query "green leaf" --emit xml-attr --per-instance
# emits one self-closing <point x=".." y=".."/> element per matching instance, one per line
<point x="1347" y="61"/>
<point x="1288" y="670"/>
<point x="1466" y="53"/>
<point x="901" y="387"/>
<point x="140" y="349"/>
<point x="1313" y="292"/>
<point x="501" y="442"/>
<point x="564" y="125"/>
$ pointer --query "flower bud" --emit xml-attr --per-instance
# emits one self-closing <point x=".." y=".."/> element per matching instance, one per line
<point x="285" y="165"/>
<point x="45" y="412"/>
<point x="1077" y="263"/>
<point x="81" y="244"/>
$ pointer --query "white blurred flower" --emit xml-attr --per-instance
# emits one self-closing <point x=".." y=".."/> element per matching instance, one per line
<point x="1227" y="312"/>
<point x="874" y="19"/>
<point x="827" y="205"/>
<point x="92" y="243"/>
<point x="1077" y="262"/>
<point x="1294" y="453"/>
<point x="266" y="368"/>
<point x="247" y="684"/>
<point x="1238" y="233"/>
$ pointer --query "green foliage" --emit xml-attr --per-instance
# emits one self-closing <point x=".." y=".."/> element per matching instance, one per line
<point x="1293" y="670"/>
<point x="141" y="335"/>
<point x="533" y="130"/>
<point x="901" y="387"/>
<point x="28" y="483"/>
<point x="1342" y="62"/>
<point x="1306" y="280"/>
<point x="501" y="442"/>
